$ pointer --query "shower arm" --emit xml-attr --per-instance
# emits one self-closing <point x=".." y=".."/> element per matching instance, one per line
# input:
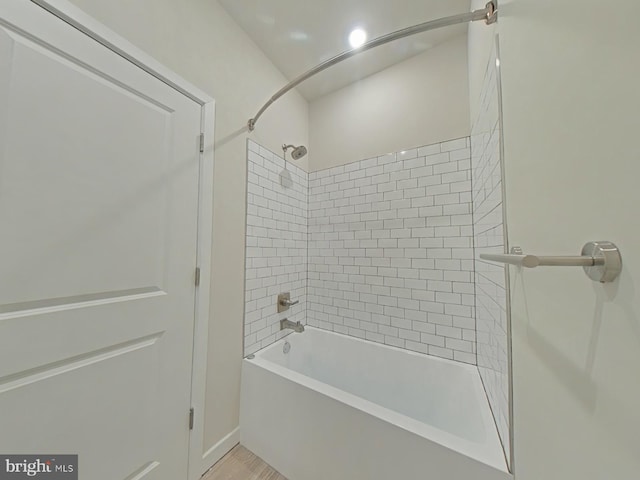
<point x="489" y="14"/>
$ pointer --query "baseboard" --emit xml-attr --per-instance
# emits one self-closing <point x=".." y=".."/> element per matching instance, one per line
<point x="219" y="450"/>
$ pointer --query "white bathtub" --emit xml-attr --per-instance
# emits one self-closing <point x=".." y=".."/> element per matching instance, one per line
<point x="340" y="408"/>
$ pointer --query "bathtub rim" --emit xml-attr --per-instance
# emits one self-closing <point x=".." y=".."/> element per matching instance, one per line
<point x="489" y="453"/>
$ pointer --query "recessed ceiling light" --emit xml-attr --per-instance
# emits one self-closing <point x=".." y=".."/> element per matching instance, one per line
<point x="357" y="38"/>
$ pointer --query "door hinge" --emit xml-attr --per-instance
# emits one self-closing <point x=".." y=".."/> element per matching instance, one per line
<point x="202" y="143"/>
<point x="197" y="276"/>
<point x="191" y="415"/>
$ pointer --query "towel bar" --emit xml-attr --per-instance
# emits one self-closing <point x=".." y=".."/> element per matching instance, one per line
<point x="601" y="260"/>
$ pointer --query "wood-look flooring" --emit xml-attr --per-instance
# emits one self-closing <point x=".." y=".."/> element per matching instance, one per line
<point x="241" y="464"/>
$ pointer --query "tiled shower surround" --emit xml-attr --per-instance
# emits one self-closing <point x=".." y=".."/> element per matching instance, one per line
<point x="391" y="250"/>
<point x="383" y="247"/>
<point x="276" y="256"/>
<point x="491" y="309"/>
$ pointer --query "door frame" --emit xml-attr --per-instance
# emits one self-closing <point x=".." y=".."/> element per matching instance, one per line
<point x="75" y="17"/>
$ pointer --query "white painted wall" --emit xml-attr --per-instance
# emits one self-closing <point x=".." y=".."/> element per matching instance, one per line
<point x="420" y="101"/>
<point x="198" y="40"/>
<point x="480" y="43"/>
<point x="572" y="163"/>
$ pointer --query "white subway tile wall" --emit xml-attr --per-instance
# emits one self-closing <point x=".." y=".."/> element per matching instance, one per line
<point x="391" y="250"/>
<point x="491" y="310"/>
<point x="276" y="256"/>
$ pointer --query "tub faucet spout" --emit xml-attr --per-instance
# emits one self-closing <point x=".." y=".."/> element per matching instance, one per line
<point x="295" y="326"/>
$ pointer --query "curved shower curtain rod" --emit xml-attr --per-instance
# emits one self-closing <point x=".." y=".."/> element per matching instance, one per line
<point x="489" y="14"/>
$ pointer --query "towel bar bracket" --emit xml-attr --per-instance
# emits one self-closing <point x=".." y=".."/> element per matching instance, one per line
<point x="610" y="265"/>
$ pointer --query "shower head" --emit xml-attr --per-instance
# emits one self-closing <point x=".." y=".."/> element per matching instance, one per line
<point x="297" y="153"/>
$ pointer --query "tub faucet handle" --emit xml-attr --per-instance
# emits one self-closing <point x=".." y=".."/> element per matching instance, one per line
<point x="284" y="302"/>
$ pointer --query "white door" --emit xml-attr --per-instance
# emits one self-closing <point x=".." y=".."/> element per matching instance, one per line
<point x="98" y="217"/>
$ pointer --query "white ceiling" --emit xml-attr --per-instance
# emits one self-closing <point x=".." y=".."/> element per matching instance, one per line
<point x="296" y="35"/>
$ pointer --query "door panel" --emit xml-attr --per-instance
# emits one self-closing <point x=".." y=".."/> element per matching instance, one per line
<point x="99" y="170"/>
<point x="92" y="196"/>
